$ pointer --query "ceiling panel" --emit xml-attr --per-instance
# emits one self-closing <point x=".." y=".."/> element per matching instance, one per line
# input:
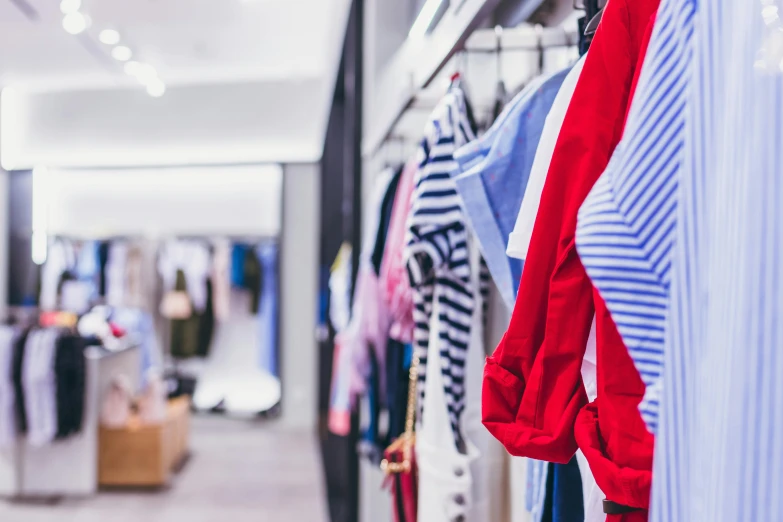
<point x="188" y="41"/>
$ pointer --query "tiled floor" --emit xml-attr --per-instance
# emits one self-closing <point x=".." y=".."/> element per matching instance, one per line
<point x="239" y="472"/>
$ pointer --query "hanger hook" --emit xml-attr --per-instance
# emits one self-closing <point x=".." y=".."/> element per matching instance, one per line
<point x="498" y="49"/>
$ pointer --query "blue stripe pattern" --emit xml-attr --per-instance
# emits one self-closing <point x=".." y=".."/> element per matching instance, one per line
<point x="719" y="261"/>
<point x="626" y="226"/>
<point x="437" y="255"/>
<point x="718" y="454"/>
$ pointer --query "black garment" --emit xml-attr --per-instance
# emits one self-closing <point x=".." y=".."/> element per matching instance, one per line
<point x="103" y="259"/>
<point x="206" y="325"/>
<point x="385" y="218"/>
<point x="254" y="278"/>
<point x="184" y="332"/>
<point x="18" y="362"/>
<point x="397" y="382"/>
<point x="70" y="372"/>
<point x="373" y="440"/>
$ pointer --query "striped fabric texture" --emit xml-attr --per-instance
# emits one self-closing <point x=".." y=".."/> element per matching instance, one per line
<point x="719" y="456"/>
<point x="626" y="226"/>
<point x="692" y="224"/>
<point x="436" y="254"/>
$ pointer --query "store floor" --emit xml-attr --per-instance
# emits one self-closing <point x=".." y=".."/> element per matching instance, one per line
<point x="239" y="472"/>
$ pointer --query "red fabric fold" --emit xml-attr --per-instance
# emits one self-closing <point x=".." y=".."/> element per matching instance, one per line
<point x="533" y="391"/>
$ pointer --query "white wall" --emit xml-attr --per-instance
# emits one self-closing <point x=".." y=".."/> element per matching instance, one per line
<point x="259" y="122"/>
<point x="227" y="200"/>
<point x="299" y="293"/>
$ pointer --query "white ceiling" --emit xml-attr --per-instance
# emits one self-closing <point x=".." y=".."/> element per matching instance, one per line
<point x="188" y="41"/>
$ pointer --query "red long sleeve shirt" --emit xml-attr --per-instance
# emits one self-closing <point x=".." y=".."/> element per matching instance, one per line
<point x="533" y="400"/>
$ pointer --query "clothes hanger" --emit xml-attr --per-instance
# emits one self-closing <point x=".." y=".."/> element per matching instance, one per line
<point x="501" y="93"/>
<point x="592" y="25"/>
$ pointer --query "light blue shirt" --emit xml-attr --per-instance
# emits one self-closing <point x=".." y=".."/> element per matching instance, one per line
<point x="492" y="174"/>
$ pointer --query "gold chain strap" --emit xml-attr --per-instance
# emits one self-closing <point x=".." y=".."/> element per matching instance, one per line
<point x="408" y="438"/>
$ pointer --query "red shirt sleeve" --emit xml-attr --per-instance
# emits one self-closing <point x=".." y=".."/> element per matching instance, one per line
<point x="532" y="389"/>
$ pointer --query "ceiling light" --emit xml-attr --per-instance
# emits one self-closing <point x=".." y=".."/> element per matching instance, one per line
<point x="156" y="88"/>
<point x="70" y="6"/>
<point x="74" y="23"/>
<point x="109" y="37"/>
<point x="121" y="53"/>
<point x="143" y="72"/>
<point x="132" y="68"/>
<point x="426" y="16"/>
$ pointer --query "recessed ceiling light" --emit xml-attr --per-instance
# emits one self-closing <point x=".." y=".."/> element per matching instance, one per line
<point x="109" y="37"/>
<point x="156" y="88"/>
<point x="144" y="72"/>
<point x="70" y="6"/>
<point x="121" y="53"/>
<point x="132" y="68"/>
<point x="74" y="23"/>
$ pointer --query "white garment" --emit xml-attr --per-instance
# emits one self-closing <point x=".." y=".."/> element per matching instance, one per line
<point x="7" y="394"/>
<point x="60" y="257"/>
<point x="519" y="239"/>
<point x="519" y="512"/>
<point x="193" y="258"/>
<point x="340" y="289"/>
<point x="221" y="279"/>
<point x="451" y="484"/>
<point x="40" y="387"/>
<point x="115" y="273"/>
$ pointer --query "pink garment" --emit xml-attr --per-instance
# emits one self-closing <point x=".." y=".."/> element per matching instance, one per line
<point x="393" y="281"/>
<point x="367" y="330"/>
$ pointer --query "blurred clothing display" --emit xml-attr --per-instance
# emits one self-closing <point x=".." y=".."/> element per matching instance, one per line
<point x="43" y="392"/>
<point x="268" y="308"/>
<point x="221" y="278"/>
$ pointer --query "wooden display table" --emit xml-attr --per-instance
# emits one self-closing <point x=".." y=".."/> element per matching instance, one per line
<point x="144" y="456"/>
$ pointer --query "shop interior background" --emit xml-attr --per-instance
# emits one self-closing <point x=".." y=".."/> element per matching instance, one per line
<point x="255" y="123"/>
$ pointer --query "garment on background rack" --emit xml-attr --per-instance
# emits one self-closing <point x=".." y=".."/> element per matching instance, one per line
<point x="221" y="279"/>
<point x="8" y="424"/>
<point x="367" y="328"/>
<point x="534" y="400"/>
<point x="60" y="259"/>
<point x="393" y="278"/>
<point x="70" y="371"/>
<point x="450" y="477"/>
<point x="193" y="259"/>
<point x="253" y="278"/>
<point x="142" y="325"/>
<point x="436" y="254"/>
<point x="493" y="172"/>
<point x="40" y="387"/>
<point x="19" y="356"/>
<point x="268" y="306"/>
<point x="340" y="288"/>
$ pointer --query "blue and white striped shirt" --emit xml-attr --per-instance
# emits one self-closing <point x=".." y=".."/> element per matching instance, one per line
<point x="436" y="253"/>
<point x="718" y="455"/>
<point x="626" y="231"/>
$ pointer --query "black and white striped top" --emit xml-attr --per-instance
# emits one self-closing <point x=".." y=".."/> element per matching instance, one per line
<point x="436" y="253"/>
